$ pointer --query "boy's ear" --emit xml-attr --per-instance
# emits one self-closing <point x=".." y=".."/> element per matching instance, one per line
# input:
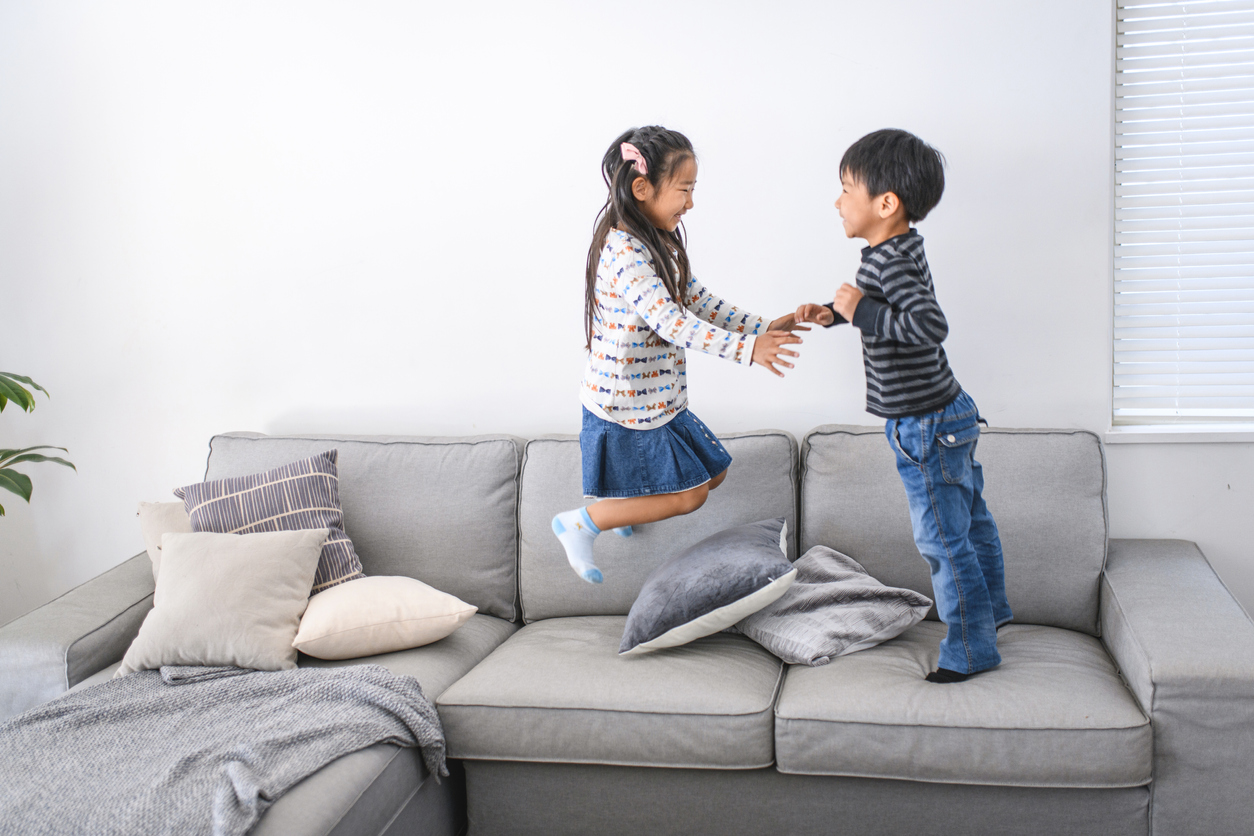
<point x="887" y="204"/>
<point x="641" y="189"/>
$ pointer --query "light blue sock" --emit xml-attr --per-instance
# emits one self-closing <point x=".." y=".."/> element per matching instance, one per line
<point x="576" y="530"/>
<point x="622" y="531"/>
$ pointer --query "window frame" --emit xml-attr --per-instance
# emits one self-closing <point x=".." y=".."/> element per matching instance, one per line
<point x="1175" y="432"/>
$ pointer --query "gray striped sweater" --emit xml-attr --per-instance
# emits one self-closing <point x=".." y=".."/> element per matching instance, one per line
<point x="902" y="330"/>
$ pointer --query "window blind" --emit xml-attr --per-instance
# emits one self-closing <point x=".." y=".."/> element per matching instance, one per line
<point x="1184" y="212"/>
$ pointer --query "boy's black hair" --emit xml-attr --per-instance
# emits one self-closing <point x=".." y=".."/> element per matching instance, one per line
<point x="897" y="161"/>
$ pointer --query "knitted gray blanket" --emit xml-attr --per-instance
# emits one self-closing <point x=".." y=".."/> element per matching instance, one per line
<point x="197" y="750"/>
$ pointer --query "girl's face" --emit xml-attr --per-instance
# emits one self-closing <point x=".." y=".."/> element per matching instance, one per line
<point x="667" y="203"/>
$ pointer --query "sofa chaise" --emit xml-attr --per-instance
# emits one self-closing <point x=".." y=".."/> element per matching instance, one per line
<point x="1124" y="703"/>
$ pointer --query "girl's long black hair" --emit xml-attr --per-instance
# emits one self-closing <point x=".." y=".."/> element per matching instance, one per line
<point x="662" y="150"/>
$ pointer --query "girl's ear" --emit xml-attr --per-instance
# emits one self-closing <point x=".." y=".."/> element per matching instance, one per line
<point x="889" y="203"/>
<point x="642" y="189"/>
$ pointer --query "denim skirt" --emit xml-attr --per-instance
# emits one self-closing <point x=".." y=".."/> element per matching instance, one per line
<point x="620" y="462"/>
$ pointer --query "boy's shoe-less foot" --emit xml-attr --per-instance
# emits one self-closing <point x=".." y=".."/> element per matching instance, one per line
<point x="577" y="532"/>
<point x="944" y="676"/>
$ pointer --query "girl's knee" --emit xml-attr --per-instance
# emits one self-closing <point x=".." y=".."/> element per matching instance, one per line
<point x="718" y="480"/>
<point x="691" y="500"/>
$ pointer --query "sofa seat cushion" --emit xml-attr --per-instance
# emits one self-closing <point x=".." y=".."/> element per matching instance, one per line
<point x="558" y="691"/>
<point x="438" y="665"/>
<point x="1053" y="714"/>
<point x="362" y="791"/>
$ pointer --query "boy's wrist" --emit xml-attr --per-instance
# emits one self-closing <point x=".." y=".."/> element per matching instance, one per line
<point x="866" y="313"/>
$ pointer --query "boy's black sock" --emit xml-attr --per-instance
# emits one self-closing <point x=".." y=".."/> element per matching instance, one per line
<point x="944" y="675"/>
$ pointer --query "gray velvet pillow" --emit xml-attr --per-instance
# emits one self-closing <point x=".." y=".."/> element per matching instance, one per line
<point x="834" y="608"/>
<point x="711" y="586"/>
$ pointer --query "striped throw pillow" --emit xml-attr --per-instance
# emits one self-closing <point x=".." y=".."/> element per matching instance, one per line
<point x="834" y="608"/>
<point x="300" y="495"/>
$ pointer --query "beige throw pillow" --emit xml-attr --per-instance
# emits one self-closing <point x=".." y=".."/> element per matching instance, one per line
<point x="375" y="615"/>
<point x="228" y="599"/>
<point x="155" y="519"/>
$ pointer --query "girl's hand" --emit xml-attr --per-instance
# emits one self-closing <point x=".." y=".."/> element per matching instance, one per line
<point x="814" y="313"/>
<point x="846" y="301"/>
<point x="787" y="322"/>
<point x="769" y="348"/>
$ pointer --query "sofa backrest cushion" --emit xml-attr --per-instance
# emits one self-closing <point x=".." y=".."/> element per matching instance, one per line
<point x="1045" y="488"/>
<point x="441" y="510"/>
<point x="760" y="484"/>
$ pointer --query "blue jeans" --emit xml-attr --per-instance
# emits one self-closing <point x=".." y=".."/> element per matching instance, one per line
<point x="953" y="529"/>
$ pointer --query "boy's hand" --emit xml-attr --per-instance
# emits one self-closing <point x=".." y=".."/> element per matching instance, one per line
<point x="846" y="301"/>
<point x="769" y="348"/>
<point x="787" y="322"/>
<point x="814" y="313"/>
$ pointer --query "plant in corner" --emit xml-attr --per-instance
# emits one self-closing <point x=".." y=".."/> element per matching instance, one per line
<point x="11" y="389"/>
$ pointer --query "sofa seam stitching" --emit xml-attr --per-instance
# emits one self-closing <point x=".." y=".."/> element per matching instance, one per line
<point x="1146" y="784"/>
<point x="430" y="441"/>
<point x="787" y="719"/>
<point x="69" y="648"/>
<point x="636" y="764"/>
<point x="755" y="713"/>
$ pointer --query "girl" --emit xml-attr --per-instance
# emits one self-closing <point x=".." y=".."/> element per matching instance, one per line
<point x="645" y="455"/>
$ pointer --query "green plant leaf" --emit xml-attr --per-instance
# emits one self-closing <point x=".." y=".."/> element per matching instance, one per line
<point x="24" y="379"/>
<point x="5" y="455"/>
<point x="16" y="393"/>
<point x="18" y="483"/>
<point x="35" y="457"/>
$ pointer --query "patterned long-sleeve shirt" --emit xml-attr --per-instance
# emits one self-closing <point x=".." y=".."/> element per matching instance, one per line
<point x="902" y="327"/>
<point x="636" y="372"/>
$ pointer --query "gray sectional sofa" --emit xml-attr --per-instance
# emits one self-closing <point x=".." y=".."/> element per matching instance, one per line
<point x="1124" y="704"/>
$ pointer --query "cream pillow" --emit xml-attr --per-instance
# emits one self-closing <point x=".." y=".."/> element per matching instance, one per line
<point x="228" y="599"/>
<point x="155" y="519"/>
<point x="374" y="615"/>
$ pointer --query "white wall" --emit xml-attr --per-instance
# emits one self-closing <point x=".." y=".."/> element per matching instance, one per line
<point x="372" y="217"/>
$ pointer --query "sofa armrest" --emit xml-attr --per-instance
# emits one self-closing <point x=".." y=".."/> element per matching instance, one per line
<point x="1186" y="649"/>
<point x="50" y="649"/>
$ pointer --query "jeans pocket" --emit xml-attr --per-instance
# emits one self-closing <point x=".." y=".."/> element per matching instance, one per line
<point x="894" y="438"/>
<point x="957" y="452"/>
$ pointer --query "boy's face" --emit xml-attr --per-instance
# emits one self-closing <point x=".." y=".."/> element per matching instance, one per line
<point x="858" y="209"/>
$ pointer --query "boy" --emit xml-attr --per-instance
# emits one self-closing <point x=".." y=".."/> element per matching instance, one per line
<point x="889" y="180"/>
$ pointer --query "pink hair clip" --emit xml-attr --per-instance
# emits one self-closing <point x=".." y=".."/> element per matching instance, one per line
<point x="632" y="154"/>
